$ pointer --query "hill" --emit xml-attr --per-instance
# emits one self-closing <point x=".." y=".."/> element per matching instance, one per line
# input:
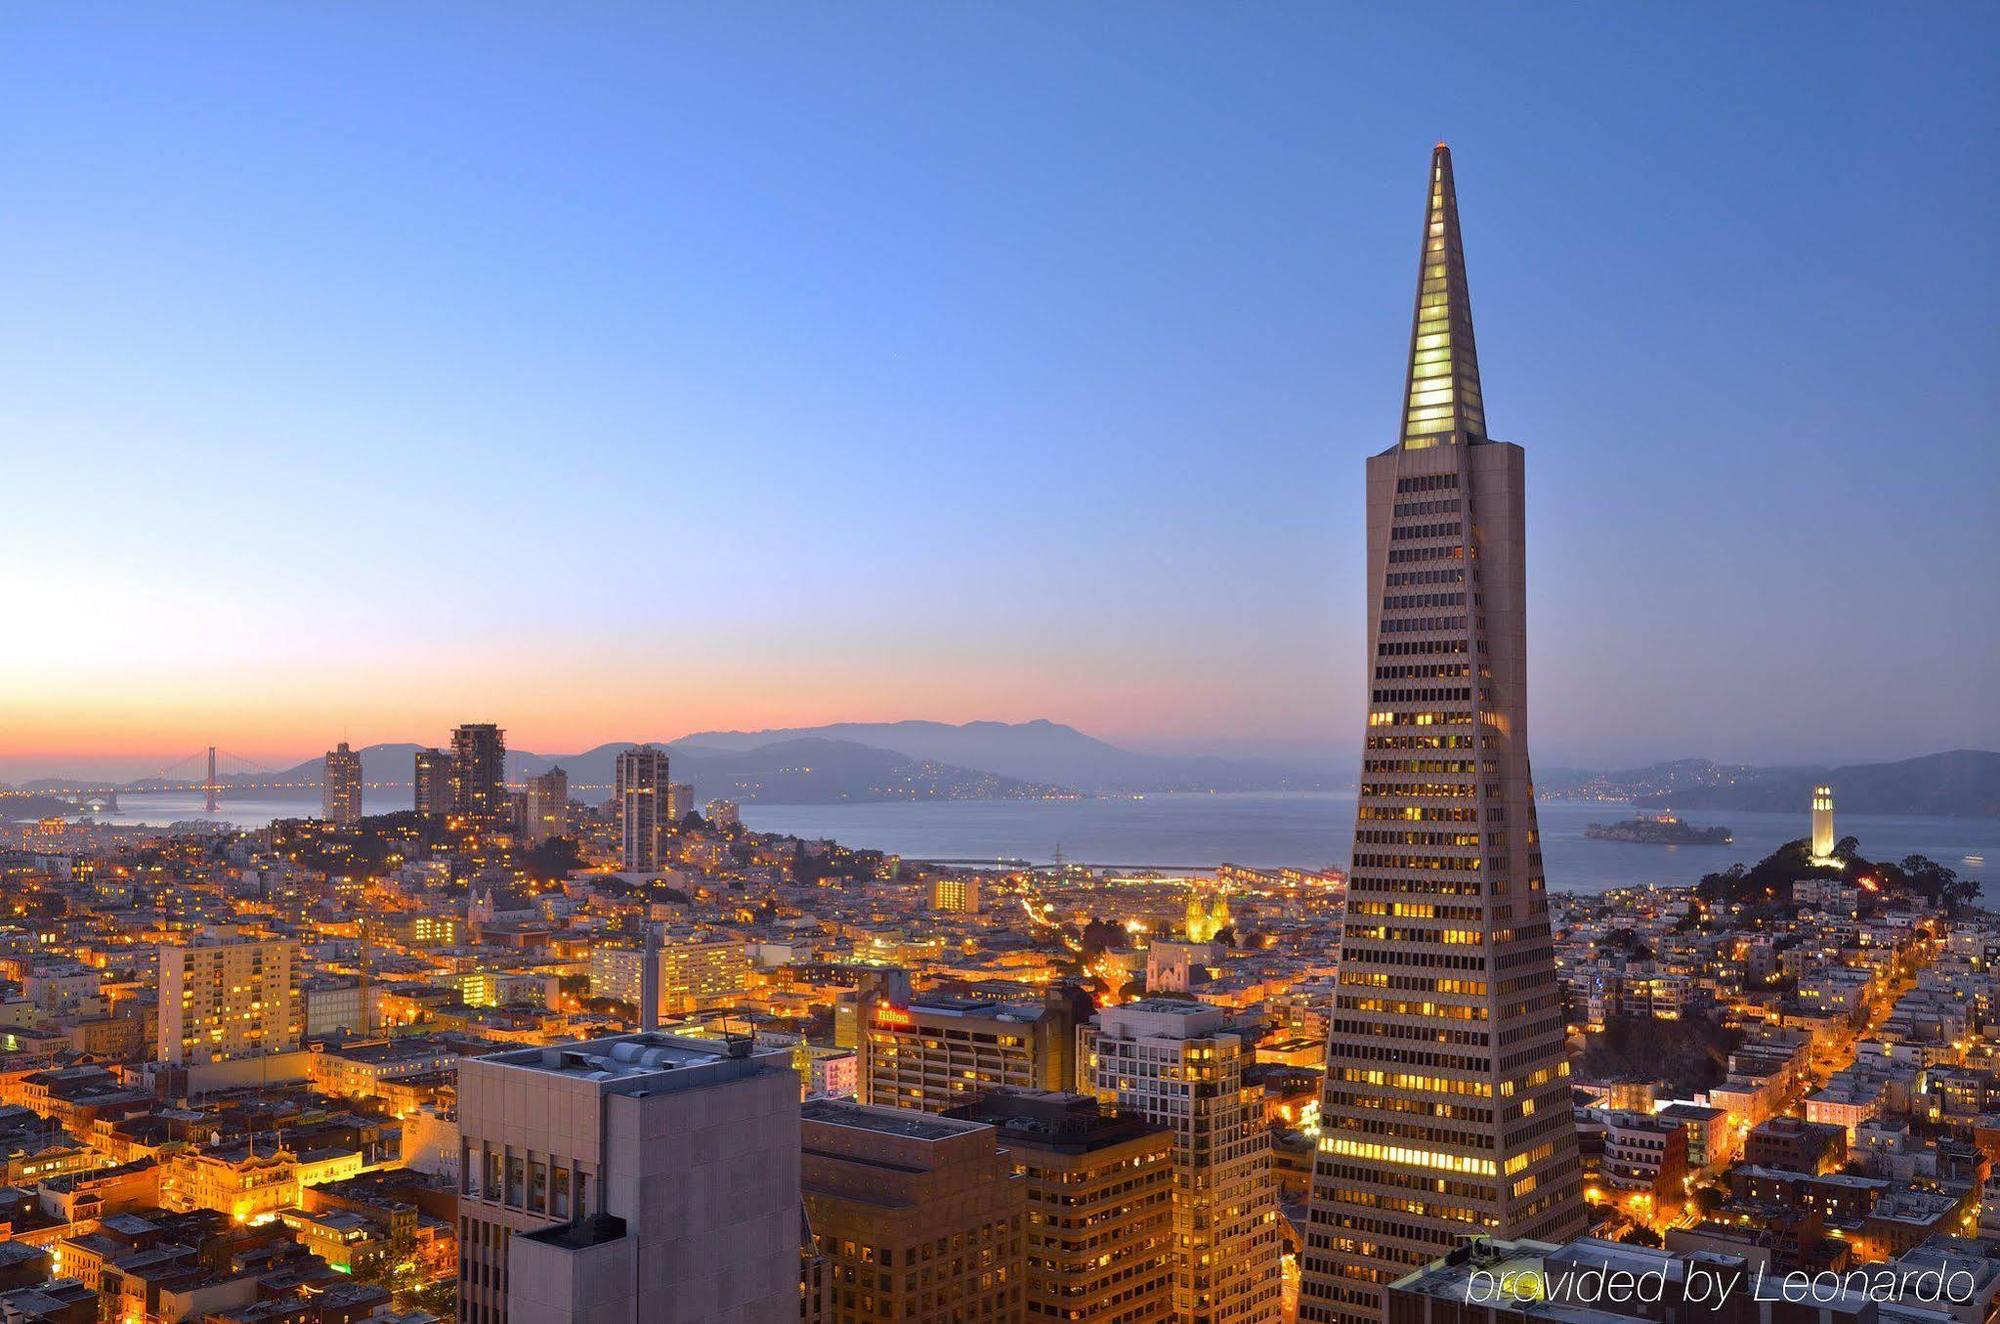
<point x="1039" y="751"/>
<point x="1962" y="783"/>
<point x="804" y="771"/>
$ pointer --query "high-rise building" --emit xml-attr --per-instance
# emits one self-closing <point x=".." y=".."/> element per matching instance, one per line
<point x="639" y="1177"/>
<point x="1180" y="1063"/>
<point x="223" y="995"/>
<point x="680" y="801"/>
<point x="918" y="1217"/>
<point x="340" y="785"/>
<point x="638" y="804"/>
<point x="942" y="1052"/>
<point x="723" y="814"/>
<point x="1822" y="823"/>
<point x="479" y="775"/>
<point x="1446" y="1106"/>
<point x="956" y="895"/>
<point x="430" y="782"/>
<point x="548" y="805"/>
<point x="1100" y="1243"/>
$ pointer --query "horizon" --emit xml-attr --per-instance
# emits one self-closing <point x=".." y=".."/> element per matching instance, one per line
<point x="1325" y="759"/>
<point x="672" y="365"/>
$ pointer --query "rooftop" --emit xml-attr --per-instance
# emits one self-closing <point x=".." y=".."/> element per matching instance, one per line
<point x="631" y="1063"/>
<point x="885" y="1121"/>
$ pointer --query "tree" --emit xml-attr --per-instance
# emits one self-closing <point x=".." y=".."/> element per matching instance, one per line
<point x="552" y="859"/>
<point x="1643" y="1236"/>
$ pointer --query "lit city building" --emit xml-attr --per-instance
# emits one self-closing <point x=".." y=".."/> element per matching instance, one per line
<point x="1179" y="1064"/>
<point x="224" y="996"/>
<point x="938" y="1053"/>
<point x="918" y="1217"/>
<point x="479" y="774"/>
<point x="693" y="973"/>
<point x="1100" y="1244"/>
<point x="1446" y="1107"/>
<point x="955" y="895"/>
<point x="340" y="785"/>
<point x="548" y="805"/>
<point x="430" y="782"/>
<point x="637" y="799"/>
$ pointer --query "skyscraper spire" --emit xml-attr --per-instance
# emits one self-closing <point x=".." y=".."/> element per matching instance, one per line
<point x="1445" y="1112"/>
<point x="1441" y="402"/>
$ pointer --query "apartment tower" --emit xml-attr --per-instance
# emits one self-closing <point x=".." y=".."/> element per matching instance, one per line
<point x="478" y="775"/>
<point x="1446" y="1107"/>
<point x="225" y="995"/>
<point x="430" y="782"/>
<point x="639" y="804"/>
<point x="340" y="785"/>
<point x="548" y="805"/>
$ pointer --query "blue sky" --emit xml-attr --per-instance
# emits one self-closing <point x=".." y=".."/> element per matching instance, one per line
<point x="615" y="371"/>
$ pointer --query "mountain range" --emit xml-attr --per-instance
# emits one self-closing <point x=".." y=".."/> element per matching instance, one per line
<point x="848" y="762"/>
<point x="1962" y="783"/>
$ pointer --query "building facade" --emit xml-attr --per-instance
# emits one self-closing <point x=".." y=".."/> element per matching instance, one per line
<point x="941" y="1052"/>
<point x="430" y="782"/>
<point x="1446" y="1109"/>
<point x="479" y="774"/>
<point x="917" y="1217"/>
<point x="224" y="996"/>
<point x="340" y="785"/>
<point x="1100" y="1185"/>
<point x="694" y="973"/>
<point x="638" y="803"/>
<point x="640" y="1177"/>
<point x="548" y="805"/>
<point x="955" y="895"/>
<point x="1179" y="1064"/>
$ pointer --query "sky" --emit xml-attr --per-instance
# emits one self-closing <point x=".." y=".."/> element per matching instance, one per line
<point x="619" y="371"/>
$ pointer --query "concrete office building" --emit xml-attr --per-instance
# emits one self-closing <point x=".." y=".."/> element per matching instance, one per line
<point x="1446" y="1106"/>
<point x="1179" y="1063"/>
<point x="340" y="785"/>
<point x="629" y="1180"/>
<point x="918" y="1217"/>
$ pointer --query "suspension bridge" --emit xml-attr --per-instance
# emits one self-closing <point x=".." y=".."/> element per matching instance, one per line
<point x="200" y="771"/>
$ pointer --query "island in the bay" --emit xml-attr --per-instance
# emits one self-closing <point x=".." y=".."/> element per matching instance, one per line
<point x="1660" y="830"/>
